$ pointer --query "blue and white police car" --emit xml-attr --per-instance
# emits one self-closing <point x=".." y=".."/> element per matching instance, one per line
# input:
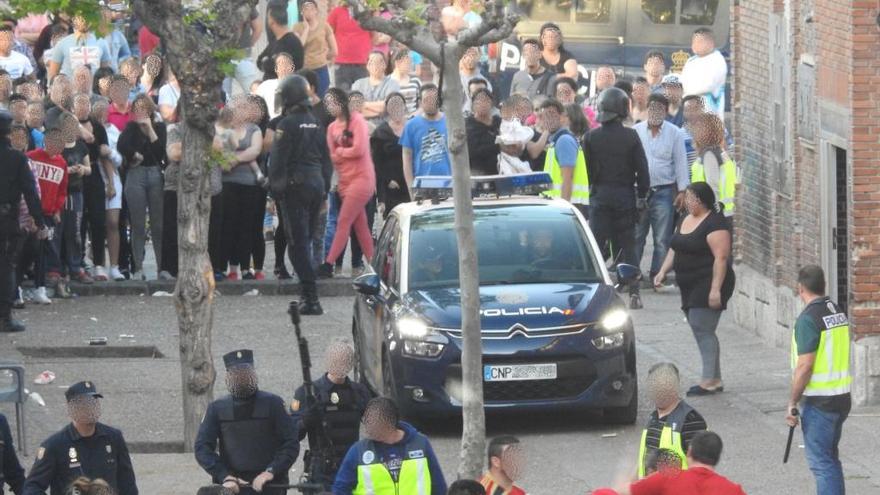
<point x="555" y="334"/>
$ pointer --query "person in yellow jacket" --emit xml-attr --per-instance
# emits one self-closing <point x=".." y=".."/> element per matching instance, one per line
<point x="393" y="459"/>
<point x="713" y="164"/>
<point x="564" y="160"/>
<point x="821" y="380"/>
<point x="673" y="423"/>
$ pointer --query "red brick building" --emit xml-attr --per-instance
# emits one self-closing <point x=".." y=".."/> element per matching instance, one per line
<point x="806" y="106"/>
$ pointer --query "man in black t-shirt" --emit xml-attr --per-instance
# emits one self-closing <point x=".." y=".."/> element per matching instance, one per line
<point x="285" y="41"/>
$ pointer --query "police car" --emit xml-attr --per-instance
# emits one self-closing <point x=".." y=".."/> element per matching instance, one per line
<point x="555" y="334"/>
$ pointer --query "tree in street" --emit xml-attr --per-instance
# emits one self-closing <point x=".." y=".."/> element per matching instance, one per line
<point x="408" y="25"/>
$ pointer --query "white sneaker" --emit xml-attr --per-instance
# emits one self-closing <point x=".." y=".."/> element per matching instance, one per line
<point x="99" y="274"/>
<point x="116" y="275"/>
<point x="165" y="275"/>
<point x="138" y="275"/>
<point x="40" y="296"/>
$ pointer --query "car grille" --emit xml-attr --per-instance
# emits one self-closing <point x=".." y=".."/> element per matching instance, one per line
<point x="519" y="329"/>
<point x="574" y="376"/>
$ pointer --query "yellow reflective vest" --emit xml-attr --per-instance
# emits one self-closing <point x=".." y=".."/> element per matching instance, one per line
<point x="831" y="374"/>
<point x="580" y="188"/>
<point x="373" y="478"/>
<point x="670" y="437"/>
<point x="727" y="180"/>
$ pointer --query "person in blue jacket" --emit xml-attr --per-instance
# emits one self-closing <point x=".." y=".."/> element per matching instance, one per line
<point x="393" y="458"/>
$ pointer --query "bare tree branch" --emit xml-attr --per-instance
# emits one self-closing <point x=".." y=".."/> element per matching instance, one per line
<point x="413" y="35"/>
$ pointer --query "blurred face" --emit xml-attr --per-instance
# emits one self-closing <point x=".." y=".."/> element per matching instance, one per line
<point x="309" y="11"/>
<point x="119" y="91"/>
<point x="35" y="115"/>
<point x="99" y="112"/>
<point x="513" y="461"/>
<point x="565" y="94"/>
<point x="532" y="55"/>
<point x="61" y="90"/>
<point x="551" y="39"/>
<point x="104" y="86"/>
<point x="640" y="95"/>
<point x="31" y="91"/>
<point x="674" y="93"/>
<point x="656" y="114"/>
<point x="376" y="65"/>
<point x="82" y="80"/>
<point x="19" y="139"/>
<point x="140" y="110"/>
<point x="80" y="25"/>
<point x="5" y="41"/>
<point x="53" y="142"/>
<point x="69" y="129"/>
<point x="131" y="71"/>
<point x="356" y="103"/>
<point x="702" y="45"/>
<point x="376" y="426"/>
<point x="403" y="65"/>
<point x="19" y="111"/>
<point x="332" y="104"/>
<point x="655" y="67"/>
<point x="550" y="119"/>
<point x="82" y="107"/>
<point x="692" y="203"/>
<point x="692" y="110"/>
<point x="482" y="105"/>
<point x="605" y="78"/>
<point x="396" y="109"/>
<point x="84" y="409"/>
<point x="284" y="66"/>
<point x="5" y="87"/>
<point x="430" y="102"/>
<point x="470" y="58"/>
<point x="153" y="65"/>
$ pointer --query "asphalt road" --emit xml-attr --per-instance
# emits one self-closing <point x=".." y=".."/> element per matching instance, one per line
<point x="566" y="454"/>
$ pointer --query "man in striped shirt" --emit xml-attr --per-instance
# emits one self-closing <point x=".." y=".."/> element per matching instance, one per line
<point x="506" y="465"/>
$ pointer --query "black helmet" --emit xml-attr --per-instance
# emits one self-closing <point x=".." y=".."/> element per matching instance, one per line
<point x="5" y="123"/>
<point x="292" y="90"/>
<point x="613" y="104"/>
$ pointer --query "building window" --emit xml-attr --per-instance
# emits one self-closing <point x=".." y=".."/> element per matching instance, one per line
<point x="659" y="11"/>
<point x="589" y="11"/>
<point x="593" y="11"/>
<point x="698" y="12"/>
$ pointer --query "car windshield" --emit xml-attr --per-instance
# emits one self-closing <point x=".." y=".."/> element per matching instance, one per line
<point x="516" y="244"/>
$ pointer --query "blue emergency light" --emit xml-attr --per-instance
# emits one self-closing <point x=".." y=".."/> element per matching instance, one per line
<point x="438" y="188"/>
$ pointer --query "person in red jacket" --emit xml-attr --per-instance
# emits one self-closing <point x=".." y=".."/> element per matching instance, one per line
<point x="52" y="176"/>
<point x="506" y="464"/>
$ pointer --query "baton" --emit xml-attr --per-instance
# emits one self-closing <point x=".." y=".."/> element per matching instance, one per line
<point x="794" y="412"/>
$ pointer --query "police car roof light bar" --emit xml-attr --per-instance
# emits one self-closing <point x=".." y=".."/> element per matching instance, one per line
<point x="439" y="188"/>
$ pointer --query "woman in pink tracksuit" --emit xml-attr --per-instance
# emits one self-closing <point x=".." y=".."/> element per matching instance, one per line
<point x="348" y="139"/>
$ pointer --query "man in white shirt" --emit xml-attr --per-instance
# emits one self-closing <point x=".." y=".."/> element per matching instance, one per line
<point x="16" y="64"/>
<point x="705" y="73"/>
<point x="283" y="67"/>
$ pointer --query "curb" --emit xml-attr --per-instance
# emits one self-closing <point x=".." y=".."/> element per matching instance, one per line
<point x="337" y="287"/>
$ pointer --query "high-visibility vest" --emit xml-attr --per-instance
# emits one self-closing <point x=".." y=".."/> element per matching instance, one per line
<point x="374" y="478"/>
<point x="831" y="368"/>
<point x="727" y="179"/>
<point x="670" y="436"/>
<point x="580" y="188"/>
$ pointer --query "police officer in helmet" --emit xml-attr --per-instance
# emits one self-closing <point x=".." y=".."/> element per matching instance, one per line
<point x="257" y="439"/>
<point x="299" y="179"/>
<point x="619" y="181"/>
<point x="332" y="418"/>
<point x="16" y="180"/>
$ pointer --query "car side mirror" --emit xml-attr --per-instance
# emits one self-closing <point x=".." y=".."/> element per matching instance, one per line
<point x="628" y="274"/>
<point x="367" y="284"/>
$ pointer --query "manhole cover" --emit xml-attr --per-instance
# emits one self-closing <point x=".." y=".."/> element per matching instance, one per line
<point x="92" y="351"/>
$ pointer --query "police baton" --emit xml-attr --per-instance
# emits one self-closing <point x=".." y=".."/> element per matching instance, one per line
<point x="794" y="412"/>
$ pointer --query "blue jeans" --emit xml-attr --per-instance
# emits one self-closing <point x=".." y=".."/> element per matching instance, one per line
<point x="323" y="74"/>
<point x="659" y="218"/>
<point x="822" y="430"/>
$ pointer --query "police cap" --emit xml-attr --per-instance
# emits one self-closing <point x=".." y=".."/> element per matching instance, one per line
<point x="82" y="388"/>
<point x="240" y="357"/>
<point x="613" y="104"/>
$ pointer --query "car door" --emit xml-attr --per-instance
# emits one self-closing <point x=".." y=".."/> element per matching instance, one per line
<point x="373" y="310"/>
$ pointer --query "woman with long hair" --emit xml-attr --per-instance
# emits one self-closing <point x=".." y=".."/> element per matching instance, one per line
<point x="699" y="252"/>
<point x="554" y="56"/>
<point x="388" y="155"/>
<point x="348" y="139"/>
<point x="708" y="133"/>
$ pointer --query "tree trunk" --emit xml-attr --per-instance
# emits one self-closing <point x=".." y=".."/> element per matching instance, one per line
<point x="473" y="438"/>
<point x="194" y="293"/>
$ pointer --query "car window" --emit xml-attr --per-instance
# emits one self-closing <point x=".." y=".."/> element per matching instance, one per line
<point x="516" y="244"/>
<point x="380" y="258"/>
<point x="592" y="11"/>
<point x="659" y="11"/>
<point x="699" y="12"/>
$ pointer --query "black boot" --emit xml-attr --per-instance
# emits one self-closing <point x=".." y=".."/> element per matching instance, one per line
<point x="325" y="270"/>
<point x="10" y="325"/>
<point x="310" y="304"/>
<point x="635" y="301"/>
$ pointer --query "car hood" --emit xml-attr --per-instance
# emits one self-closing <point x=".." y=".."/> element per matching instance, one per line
<point x="532" y="306"/>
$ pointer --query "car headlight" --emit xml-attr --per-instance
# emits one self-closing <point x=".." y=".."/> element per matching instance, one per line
<point x="606" y="342"/>
<point x="412" y="328"/>
<point x="422" y="349"/>
<point x="614" y="319"/>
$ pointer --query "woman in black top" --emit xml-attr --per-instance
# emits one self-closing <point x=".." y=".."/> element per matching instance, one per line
<point x="387" y="154"/>
<point x="482" y="130"/>
<point x="94" y="189"/>
<point x="554" y="56"/>
<point x="142" y="146"/>
<point x="700" y="255"/>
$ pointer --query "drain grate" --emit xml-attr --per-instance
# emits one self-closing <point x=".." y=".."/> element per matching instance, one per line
<point x="92" y="351"/>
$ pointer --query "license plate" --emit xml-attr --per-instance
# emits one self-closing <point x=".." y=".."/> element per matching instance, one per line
<point x="519" y="372"/>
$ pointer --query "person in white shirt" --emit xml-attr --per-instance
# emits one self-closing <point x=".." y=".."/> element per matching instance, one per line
<point x="169" y="93"/>
<point x="705" y="73"/>
<point x="13" y="62"/>
<point x="284" y="66"/>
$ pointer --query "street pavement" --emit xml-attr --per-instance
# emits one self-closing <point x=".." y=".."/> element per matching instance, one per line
<point x="566" y="454"/>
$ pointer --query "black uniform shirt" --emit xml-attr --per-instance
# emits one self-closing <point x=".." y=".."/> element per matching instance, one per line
<point x="615" y="157"/>
<point x="299" y="154"/>
<point x="323" y="390"/>
<point x="16" y="179"/>
<point x="11" y="472"/>
<point x="66" y="455"/>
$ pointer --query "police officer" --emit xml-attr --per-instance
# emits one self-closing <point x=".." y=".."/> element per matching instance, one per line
<point x="821" y="380"/>
<point x="618" y="171"/>
<point x="16" y="180"/>
<point x="11" y="472"/>
<point x="332" y="418"/>
<point x="299" y="176"/>
<point x="257" y="439"/>
<point x="84" y="448"/>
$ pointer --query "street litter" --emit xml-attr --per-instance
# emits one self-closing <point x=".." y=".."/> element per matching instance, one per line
<point x="125" y="336"/>
<point x="252" y="292"/>
<point x="609" y="435"/>
<point x="93" y="318"/>
<point x="45" y="378"/>
<point x="162" y="293"/>
<point x="35" y="397"/>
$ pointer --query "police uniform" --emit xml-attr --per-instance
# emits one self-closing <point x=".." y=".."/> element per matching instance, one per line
<point x="299" y="177"/>
<point x="332" y="424"/>
<point x="16" y="180"/>
<point x="67" y="455"/>
<point x="254" y="435"/>
<point x="11" y="472"/>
